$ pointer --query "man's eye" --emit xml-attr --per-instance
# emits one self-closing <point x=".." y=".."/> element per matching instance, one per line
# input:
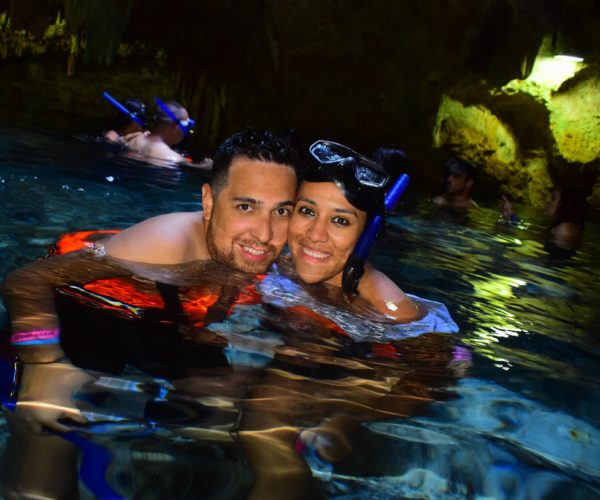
<point x="282" y="212"/>
<point x="306" y="211"/>
<point x="244" y="207"/>
<point x="340" y="221"/>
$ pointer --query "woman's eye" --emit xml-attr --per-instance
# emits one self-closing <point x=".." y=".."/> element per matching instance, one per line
<point x="306" y="211"/>
<point x="340" y="221"/>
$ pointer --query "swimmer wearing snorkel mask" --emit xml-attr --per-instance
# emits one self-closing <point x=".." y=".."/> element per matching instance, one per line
<point x="340" y="198"/>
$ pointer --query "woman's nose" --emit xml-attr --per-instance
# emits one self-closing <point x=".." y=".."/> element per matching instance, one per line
<point x="317" y="231"/>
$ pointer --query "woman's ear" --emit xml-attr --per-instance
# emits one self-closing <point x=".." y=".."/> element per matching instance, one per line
<point x="207" y="202"/>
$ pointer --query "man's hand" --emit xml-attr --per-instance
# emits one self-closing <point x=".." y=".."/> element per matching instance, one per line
<point x="46" y="395"/>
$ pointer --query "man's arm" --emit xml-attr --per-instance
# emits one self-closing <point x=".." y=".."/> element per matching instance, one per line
<point x="29" y="297"/>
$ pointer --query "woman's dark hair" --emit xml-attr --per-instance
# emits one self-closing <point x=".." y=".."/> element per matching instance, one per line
<point x="260" y="145"/>
<point x="135" y="107"/>
<point x="392" y="160"/>
<point x="571" y="206"/>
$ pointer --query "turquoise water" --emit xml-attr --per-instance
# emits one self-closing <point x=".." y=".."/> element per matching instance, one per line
<point x="507" y="408"/>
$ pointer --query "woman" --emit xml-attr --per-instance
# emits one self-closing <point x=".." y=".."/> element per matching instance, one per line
<point x="127" y="124"/>
<point x="341" y="192"/>
<point x="339" y="198"/>
<point x="566" y="207"/>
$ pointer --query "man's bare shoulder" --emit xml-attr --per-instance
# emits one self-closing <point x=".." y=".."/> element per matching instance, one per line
<point x="160" y="151"/>
<point x="172" y="238"/>
<point x="439" y="200"/>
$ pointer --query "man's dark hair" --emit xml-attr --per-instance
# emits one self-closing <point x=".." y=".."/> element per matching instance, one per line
<point x="260" y="145"/>
<point x="160" y="117"/>
<point x="458" y="166"/>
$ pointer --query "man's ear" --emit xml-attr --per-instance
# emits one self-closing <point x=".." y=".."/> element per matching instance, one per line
<point x="207" y="201"/>
<point x="470" y="183"/>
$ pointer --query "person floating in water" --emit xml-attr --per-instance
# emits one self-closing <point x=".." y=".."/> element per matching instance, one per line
<point x="171" y="124"/>
<point x="459" y="181"/>
<point x="130" y="120"/>
<point x="341" y="194"/>
<point x="566" y="208"/>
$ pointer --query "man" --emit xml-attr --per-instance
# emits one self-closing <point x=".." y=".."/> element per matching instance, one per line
<point x="171" y="124"/>
<point x="244" y="226"/>
<point x="459" y="180"/>
<point x="247" y="205"/>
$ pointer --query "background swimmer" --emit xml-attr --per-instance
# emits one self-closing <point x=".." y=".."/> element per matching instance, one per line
<point x="126" y="124"/>
<point x="459" y="181"/>
<point x="170" y="123"/>
<point x="566" y="207"/>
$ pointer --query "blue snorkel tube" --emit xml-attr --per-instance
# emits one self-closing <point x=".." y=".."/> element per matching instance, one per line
<point x="123" y="109"/>
<point x="355" y="267"/>
<point x="186" y="126"/>
<point x="95" y="459"/>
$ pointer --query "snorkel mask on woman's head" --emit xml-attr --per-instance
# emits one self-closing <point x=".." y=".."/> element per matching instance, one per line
<point x="364" y="183"/>
<point x="134" y="109"/>
<point x="361" y="180"/>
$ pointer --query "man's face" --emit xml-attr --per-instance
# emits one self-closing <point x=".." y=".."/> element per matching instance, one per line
<point x="458" y="183"/>
<point x="246" y="224"/>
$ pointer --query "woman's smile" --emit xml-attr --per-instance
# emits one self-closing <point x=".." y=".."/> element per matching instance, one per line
<point x="323" y="232"/>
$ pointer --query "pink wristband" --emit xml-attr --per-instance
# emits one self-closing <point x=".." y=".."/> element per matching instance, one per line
<point x="50" y="336"/>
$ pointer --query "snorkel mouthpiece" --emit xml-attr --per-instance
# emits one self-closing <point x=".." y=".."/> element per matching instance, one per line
<point x="355" y="267"/>
<point x="122" y="109"/>
<point x="185" y="125"/>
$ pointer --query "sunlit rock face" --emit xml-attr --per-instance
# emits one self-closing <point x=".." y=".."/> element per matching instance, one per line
<point x="532" y="134"/>
<point x="575" y="119"/>
<point x="476" y="133"/>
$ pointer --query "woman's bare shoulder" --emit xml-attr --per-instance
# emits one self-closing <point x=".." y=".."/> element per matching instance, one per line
<point x="386" y="296"/>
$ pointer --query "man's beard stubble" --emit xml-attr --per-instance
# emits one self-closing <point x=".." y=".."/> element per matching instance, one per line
<point x="227" y="256"/>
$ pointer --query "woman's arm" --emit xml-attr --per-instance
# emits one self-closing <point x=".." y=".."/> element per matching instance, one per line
<point x="386" y="297"/>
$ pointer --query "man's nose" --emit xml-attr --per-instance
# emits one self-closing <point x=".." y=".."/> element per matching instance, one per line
<point x="262" y="229"/>
<point x="317" y="231"/>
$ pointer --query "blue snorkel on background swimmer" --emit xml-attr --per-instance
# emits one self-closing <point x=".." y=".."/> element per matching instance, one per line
<point x="186" y="126"/>
<point x="133" y="115"/>
<point x="129" y="122"/>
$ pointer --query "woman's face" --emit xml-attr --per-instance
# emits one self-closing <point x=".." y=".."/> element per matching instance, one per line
<point x="323" y="232"/>
<point x="552" y="204"/>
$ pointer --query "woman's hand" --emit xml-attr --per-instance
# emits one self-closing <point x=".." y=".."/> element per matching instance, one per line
<point x="505" y="208"/>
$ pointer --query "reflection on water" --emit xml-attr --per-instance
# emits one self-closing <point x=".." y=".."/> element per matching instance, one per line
<point x="252" y="393"/>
